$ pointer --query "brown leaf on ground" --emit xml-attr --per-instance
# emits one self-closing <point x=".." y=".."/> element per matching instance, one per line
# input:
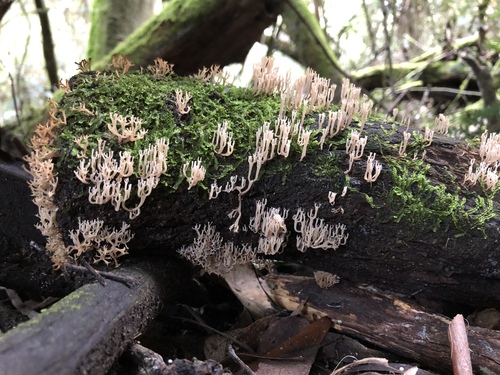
<point x="288" y="346"/>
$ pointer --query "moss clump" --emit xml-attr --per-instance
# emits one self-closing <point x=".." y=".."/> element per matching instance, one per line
<point x="153" y="101"/>
<point x="415" y="200"/>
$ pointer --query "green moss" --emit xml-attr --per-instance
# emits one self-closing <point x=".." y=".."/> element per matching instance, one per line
<point x="327" y="165"/>
<point x="411" y="197"/>
<point x="153" y="101"/>
<point x="414" y="200"/>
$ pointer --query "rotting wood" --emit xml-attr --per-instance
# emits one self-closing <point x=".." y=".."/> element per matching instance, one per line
<point x="386" y="321"/>
<point x="85" y="332"/>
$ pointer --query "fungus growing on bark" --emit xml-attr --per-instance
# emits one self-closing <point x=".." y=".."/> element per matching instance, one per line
<point x="442" y="123"/>
<point x="315" y="233"/>
<point x="83" y="142"/>
<point x="93" y="235"/>
<point x="213" y="254"/>
<point x="196" y="172"/>
<point x="325" y="279"/>
<point x="82" y="108"/>
<point x="487" y="171"/>
<point x="404" y="143"/>
<point x="222" y="140"/>
<point x="373" y="168"/>
<point x="428" y="135"/>
<point x="161" y="68"/>
<point x="120" y="64"/>
<point x="64" y="85"/>
<point x="110" y="176"/>
<point x="181" y="101"/>
<point x="283" y="134"/>
<point x="366" y="110"/>
<point x="489" y="150"/>
<point x="270" y="224"/>
<point x="125" y="178"/>
<point x="355" y="145"/>
<point x="44" y="183"/>
<point x="303" y="141"/>
<point x="129" y="130"/>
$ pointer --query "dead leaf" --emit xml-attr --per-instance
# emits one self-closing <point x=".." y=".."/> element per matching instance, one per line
<point x="292" y="345"/>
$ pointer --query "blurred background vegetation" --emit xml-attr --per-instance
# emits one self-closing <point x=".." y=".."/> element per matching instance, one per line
<point x="423" y="57"/>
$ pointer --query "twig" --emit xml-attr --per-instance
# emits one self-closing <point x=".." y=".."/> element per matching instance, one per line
<point x="460" y="353"/>
<point x="18" y="303"/>
<point x="14" y="99"/>
<point x="201" y="323"/>
<point x="101" y="275"/>
<point x="93" y="272"/>
<point x="244" y="367"/>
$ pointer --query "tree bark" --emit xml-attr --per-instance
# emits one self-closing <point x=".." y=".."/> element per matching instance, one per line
<point x="488" y="90"/>
<point x="113" y="21"/>
<point x="193" y="34"/>
<point x="440" y="76"/>
<point x="386" y="321"/>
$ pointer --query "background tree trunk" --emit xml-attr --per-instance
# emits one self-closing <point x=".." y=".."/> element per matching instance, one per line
<point x="48" y="45"/>
<point x="193" y="34"/>
<point x="311" y="46"/>
<point x="113" y="21"/>
<point x="4" y="7"/>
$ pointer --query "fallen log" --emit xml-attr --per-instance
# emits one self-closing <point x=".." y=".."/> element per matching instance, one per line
<point x="419" y="229"/>
<point x="85" y="332"/>
<point x="386" y="321"/>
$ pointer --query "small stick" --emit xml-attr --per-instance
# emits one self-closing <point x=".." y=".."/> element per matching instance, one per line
<point x="101" y="275"/>
<point x="460" y="353"/>
<point x="244" y="367"/>
<point x="94" y="272"/>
